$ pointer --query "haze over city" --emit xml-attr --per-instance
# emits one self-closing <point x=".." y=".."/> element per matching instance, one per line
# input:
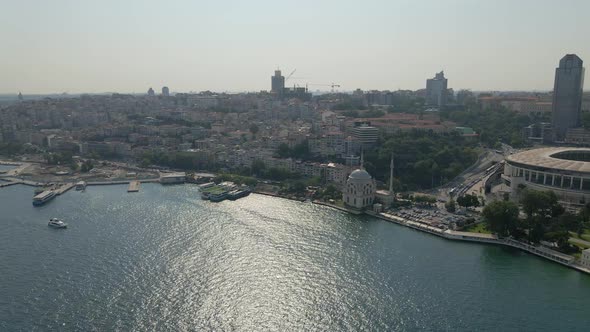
<point x="294" y="166"/>
<point x="113" y="46"/>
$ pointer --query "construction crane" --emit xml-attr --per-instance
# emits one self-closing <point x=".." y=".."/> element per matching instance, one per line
<point x="333" y="85"/>
<point x="288" y="77"/>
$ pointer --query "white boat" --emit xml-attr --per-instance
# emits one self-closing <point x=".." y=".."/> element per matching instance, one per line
<point x="57" y="223"/>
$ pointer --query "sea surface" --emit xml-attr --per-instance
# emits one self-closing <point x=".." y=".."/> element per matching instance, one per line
<point x="164" y="260"/>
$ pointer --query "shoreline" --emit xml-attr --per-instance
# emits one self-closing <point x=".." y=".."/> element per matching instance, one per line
<point x="553" y="256"/>
<point x="541" y="252"/>
<point x="547" y="254"/>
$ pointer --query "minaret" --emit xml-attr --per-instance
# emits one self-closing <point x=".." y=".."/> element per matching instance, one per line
<point x="391" y="175"/>
<point x="362" y="159"/>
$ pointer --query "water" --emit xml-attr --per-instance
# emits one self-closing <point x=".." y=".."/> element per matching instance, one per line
<point x="163" y="260"/>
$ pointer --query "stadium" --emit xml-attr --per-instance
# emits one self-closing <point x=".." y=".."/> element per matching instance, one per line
<point x="565" y="171"/>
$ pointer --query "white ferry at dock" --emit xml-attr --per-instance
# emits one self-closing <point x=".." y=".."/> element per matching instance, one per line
<point x="43" y="197"/>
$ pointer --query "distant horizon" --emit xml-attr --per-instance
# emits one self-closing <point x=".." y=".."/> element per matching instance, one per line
<point x="7" y="94"/>
<point x="92" y="47"/>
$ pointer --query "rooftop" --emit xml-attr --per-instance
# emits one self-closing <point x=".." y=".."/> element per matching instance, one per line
<point x="569" y="159"/>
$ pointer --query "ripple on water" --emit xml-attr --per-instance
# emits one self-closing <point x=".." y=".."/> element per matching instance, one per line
<point x="162" y="259"/>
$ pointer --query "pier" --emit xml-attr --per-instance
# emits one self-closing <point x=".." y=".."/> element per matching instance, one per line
<point x="6" y="184"/>
<point x="133" y="187"/>
<point x="64" y="188"/>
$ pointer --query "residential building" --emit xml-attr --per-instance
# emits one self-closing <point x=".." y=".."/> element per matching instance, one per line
<point x="436" y="90"/>
<point x="365" y="134"/>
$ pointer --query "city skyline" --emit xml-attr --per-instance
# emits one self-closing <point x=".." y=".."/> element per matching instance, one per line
<point x="395" y="46"/>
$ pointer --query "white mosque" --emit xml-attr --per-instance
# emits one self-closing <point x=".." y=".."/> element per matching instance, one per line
<point x="360" y="189"/>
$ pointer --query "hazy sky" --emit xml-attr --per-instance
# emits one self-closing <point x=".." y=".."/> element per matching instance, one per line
<point x="130" y="45"/>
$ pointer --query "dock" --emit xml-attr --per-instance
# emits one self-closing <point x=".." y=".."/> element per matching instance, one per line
<point x="133" y="187"/>
<point x="6" y="184"/>
<point x="64" y="187"/>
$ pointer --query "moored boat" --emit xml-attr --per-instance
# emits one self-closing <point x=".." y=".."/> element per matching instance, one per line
<point x="218" y="197"/>
<point x="238" y="193"/>
<point x="43" y="197"/>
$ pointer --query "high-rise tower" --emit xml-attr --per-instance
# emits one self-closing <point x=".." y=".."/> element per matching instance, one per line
<point x="436" y="90"/>
<point x="277" y="83"/>
<point x="567" y="95"/>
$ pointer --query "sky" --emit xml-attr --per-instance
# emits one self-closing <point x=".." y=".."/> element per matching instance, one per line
<point x="229" y="45"/>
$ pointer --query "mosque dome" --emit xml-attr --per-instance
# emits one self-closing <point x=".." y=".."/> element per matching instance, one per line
<point x="360" y="174"/>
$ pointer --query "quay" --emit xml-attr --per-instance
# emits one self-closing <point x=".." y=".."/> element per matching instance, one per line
<point x="106" y="183"/>
<point x="20" y="181"/>
<point x="6" y="184"/>
<point x="64" y="188"/>
<point x="540" y="251"/>
<point x="133" y="187"/>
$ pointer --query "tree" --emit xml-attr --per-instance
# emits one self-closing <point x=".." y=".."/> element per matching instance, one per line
<point x="283" y="150"/>
<point x="258" y="167"/>
<point x="468" y="200"/>
<point x="86" y="166"/>
<point x="254" y="129"/>
<point x="450" y="206"/>
<point x="542" y="203"/>
<point x="424" y="199"/>
<point x="502" y="217"/>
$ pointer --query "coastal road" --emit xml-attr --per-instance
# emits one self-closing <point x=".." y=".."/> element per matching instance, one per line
<point x="471" y="176"/>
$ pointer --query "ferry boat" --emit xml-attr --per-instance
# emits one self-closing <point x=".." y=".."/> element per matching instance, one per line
<point x="56" y="223"/>
<point x="81" y="185"/>
<point x="43" y="197"/>
<point x="206" y="185"/>
<point x="218" y="197"/>
<point x="238" y="193"/>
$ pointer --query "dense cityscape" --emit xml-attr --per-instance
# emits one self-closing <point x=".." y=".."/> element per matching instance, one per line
<point x="376" y="151"/>
<point x="294" y="166"/>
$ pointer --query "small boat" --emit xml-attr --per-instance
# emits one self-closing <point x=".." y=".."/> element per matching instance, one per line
<point x="57" y="223"/>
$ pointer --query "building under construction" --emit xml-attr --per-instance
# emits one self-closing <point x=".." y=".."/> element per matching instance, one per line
<point x="278" y="88"/>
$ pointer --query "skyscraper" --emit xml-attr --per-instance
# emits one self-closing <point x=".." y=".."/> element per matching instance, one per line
<point x="277" y="83"/>
<point x="567" y="95"/>
<point x="151" y="92"/>
<point x="436" y="90"/>
<point x="165" y="91"/>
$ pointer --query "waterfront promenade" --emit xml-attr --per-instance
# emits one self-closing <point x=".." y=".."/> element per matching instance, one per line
<point x="540" y="251"/>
